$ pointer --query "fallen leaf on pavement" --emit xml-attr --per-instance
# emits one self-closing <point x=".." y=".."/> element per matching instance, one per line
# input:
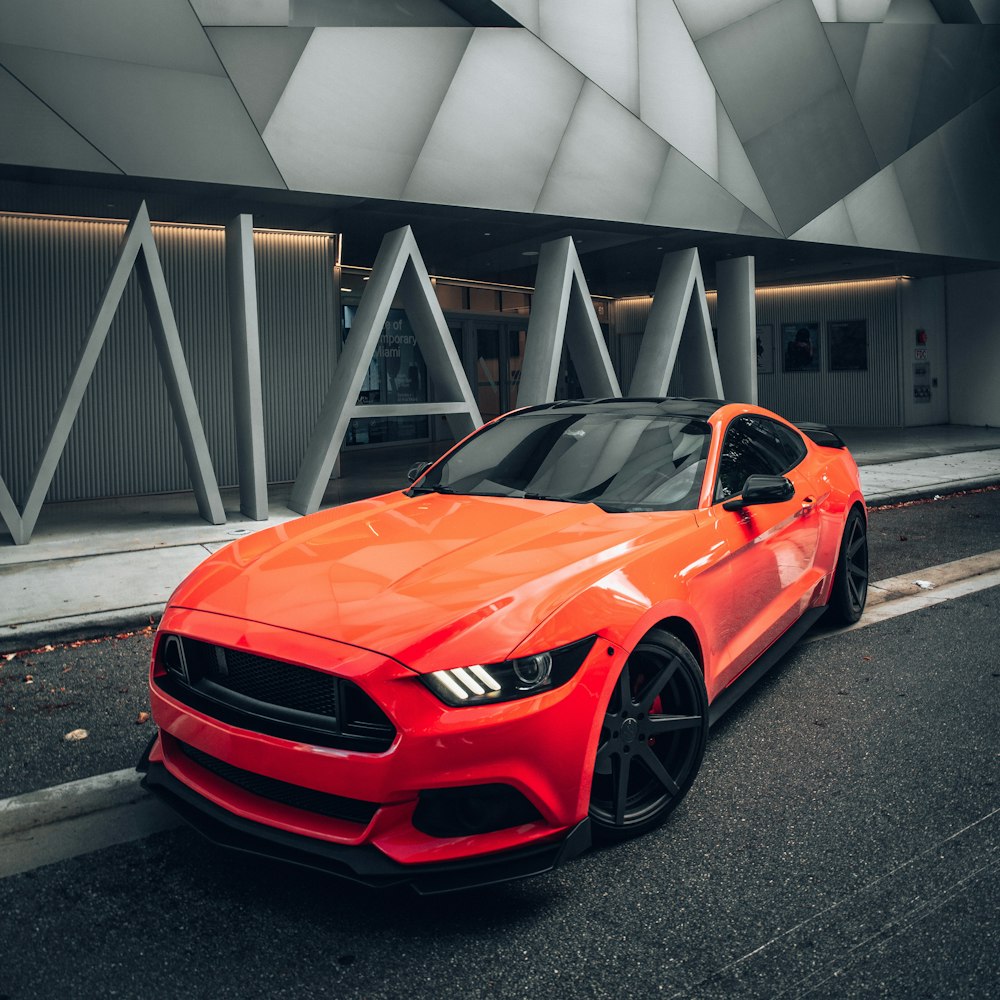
<point x="141" y="718"/>
<point x="29" y="679"/>
<point x="74" y="735"/>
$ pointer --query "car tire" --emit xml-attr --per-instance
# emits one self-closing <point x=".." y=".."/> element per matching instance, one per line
<point x="652" y="739"/>
<point x="850" y="582"/>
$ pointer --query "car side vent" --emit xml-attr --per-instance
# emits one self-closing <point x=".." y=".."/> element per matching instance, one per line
<point x="270" y="696"/>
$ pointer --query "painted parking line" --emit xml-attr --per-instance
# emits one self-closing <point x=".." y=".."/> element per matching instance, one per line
<point x="902" y="595"/>
<point x="65" y="821"/>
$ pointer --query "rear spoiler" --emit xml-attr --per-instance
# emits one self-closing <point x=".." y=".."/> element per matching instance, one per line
<point x="822" y="435"/>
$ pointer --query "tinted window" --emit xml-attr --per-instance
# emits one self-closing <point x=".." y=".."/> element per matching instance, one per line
<point x="756" y="446"/>
<point x="621" y="462"/>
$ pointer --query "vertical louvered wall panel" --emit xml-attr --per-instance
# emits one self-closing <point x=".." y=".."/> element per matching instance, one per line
<point x="861" y="399"/>
<point x="869" y="398"/>
<point x="299" y="327"/>
<point x="52" y="275"/>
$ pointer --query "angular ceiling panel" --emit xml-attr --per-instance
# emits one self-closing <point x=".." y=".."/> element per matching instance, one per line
<point x="374" y="14"/>
<point x="35" y="135"/>
<point x="888" y="85"/>
<point x="702" y="18"/>
<point x="871" y="11"/>
<point x="677" y="98"/>
<point x="735" y="172"/>
<point x="832" y="226"/>
<point x="608" y="163"/>
<point x="687" y="197"/>
<point x="879" y="215"/>
<point x="812" y="159"/>
<point x="261" y="13"/>
<point x="165" y="33"/>
<point x="358" y="107"/>
<point x="912" y="12"/>
<point x="962" y="65"/>
<point x="988" y="10"/>
<point x="164" y="123"/>
<point x="599" y="38"/>
<point x="971" y="145"/>
<point x="770" y="66"/>
<point x="848" y="44"/>
<point x="260" y="62"/>
<point x="926" y="183"/>
<point x="525" y="12"/>
<point x="499" y="127"/>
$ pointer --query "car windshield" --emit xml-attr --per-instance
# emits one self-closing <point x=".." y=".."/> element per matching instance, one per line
<point x="621" y="462"/>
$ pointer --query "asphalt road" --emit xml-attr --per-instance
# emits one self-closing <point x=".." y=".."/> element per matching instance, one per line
<point x="842" y="840"/>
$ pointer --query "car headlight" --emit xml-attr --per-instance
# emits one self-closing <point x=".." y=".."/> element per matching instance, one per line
<point x="483" y="683"/>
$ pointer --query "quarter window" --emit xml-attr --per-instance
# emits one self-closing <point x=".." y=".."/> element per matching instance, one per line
<point x="756" y="446"/>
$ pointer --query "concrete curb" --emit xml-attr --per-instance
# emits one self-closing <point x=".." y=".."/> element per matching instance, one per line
<point x="69" y="801"/>
<point x="879" y="499"/>
<point x="28" y="635"/>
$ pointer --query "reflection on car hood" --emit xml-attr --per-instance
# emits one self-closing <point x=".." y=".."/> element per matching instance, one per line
<point x="429" y="580"/>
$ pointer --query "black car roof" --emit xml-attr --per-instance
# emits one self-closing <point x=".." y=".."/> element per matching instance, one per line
<point x="679" y="406"/>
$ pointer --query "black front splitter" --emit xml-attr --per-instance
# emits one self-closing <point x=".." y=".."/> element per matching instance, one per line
<point x="364" y="864"/>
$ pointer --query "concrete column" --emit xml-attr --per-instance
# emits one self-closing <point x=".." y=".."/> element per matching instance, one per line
<point x="241" y="285"/>
<point x="737" y="320"/>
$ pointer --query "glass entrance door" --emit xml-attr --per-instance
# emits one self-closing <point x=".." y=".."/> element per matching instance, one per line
<point x="499" y="353"/>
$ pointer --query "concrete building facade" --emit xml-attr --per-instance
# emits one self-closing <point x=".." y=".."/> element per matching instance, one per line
<point x="794" y="201"/>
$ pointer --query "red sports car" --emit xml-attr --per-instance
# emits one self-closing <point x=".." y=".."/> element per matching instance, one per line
<point x="471" y="679"/>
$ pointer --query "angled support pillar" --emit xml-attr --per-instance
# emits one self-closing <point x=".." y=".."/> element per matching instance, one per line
<point x="737" y="317"/>
<point x="679" y="313"/>
<point x="398" y="265"/>
<point x="137" y="250"/>
<point x="562" y="310"/>
<point x="241" y="284"/>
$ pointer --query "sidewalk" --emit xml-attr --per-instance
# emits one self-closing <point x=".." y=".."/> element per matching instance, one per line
<point x="99" y="567"/>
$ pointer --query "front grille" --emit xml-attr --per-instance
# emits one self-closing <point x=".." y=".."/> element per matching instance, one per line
<point x="271" y="696"/>
<point x="308" y="799"/>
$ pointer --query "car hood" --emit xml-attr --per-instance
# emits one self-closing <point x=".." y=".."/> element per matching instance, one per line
<point x="432" y="580"/>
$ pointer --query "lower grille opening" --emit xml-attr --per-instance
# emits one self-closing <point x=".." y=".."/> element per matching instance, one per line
<point x="471" y="809"/>
<point x="307" y="799"/>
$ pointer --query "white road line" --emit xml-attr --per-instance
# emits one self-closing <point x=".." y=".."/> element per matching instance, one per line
<point x="64" y="821"/>
<point x="894" y="607"/>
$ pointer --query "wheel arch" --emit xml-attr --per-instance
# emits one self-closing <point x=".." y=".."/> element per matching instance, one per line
<point x="682" y="629"/>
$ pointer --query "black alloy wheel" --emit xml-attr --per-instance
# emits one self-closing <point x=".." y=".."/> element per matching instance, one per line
<point x="850" y="584"/>
<point x="652" y="739"/>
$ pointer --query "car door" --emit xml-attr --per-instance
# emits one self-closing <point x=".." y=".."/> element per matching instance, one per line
<point x="772" y="547"/>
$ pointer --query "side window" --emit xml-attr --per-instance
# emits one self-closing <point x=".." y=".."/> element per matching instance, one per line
<point x="755" y="446"/>
<point x="790" y="442"/>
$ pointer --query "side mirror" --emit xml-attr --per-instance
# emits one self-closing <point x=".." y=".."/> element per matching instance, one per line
<point x="417" y="470"/>
<point x="762" y="489"/>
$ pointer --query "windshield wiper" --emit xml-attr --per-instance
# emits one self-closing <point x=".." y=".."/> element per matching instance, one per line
<point x="542" y="496"/>
<point x="414" y="490"/>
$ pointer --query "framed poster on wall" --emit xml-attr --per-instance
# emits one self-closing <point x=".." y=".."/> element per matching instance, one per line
<point x="848" y="345"/>
<point x="765" y="349"/>
<point x="800" y="347"/>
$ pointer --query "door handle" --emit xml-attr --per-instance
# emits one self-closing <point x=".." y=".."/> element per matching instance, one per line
<point x="808" y="503"/>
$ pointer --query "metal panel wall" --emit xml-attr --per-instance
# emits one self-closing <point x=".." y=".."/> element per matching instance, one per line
<point x="864" y="399"/>
<point x="52" y="272"/>
<point x="847" y="399"/>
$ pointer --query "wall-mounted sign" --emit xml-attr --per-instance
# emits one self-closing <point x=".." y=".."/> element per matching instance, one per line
<point x="848" y="340"/>
<point x="922" y="383"/>
<point x="800" y="347"/>
<point x="765" y="349"/>
<point x="920" y="354"/>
